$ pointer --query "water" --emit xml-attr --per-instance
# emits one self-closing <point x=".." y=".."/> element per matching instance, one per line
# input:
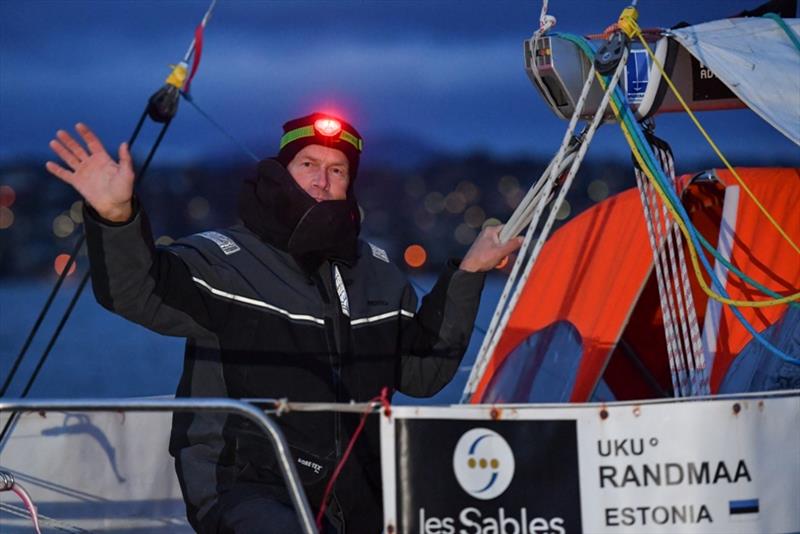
<point x="102" y="355"/>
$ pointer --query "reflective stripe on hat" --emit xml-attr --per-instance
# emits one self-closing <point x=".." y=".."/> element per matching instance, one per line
<point x="308" y="131"/>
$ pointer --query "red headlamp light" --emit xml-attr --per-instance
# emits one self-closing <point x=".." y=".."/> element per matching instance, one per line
<point x="328" y="127"/>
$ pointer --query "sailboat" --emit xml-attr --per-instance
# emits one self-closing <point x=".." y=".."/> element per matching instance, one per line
<point x="607" y="309"/>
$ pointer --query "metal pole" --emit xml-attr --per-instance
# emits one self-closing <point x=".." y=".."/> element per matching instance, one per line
<point x="272" y="430"/>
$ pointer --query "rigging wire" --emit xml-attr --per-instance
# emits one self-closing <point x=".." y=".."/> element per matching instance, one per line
<point x="73" y="301"/>
<point x="161" y="107"/>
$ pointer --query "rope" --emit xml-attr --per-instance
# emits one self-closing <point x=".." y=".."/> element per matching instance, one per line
<point x="505" y="307"/>
<point x="545" y="21"/>
<point x="641" y="151"/>
<point x="705" y="244"/>
<point x="384" y="401"/>
<point x="681" y="303"/>
<point x="482" y="358"/>
<point x="654" y="178"/>
<point x="7" y="483"/>
<point x="711" y="143"/>
<point x="684" y="222"/>
<point x="524" y="212"/>
<point x="669" y="331"/>
<point x="219" y="127"/>
<point x="47" y="521"/>
<point x="674" y="285"/>
<point x="694" y="347"/>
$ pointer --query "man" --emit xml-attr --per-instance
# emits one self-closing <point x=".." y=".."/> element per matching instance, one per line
<point x="288" y="304"/>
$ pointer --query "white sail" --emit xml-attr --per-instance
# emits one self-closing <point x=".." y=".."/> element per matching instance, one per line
<point x="757" y="60"/>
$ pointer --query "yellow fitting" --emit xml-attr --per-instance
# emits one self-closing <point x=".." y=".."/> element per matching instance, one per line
<point x="178" y="75"/>
<point x="627" y="21"/>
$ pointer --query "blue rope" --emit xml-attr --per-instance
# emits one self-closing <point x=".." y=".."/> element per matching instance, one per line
<point x="706" y="245"/>
<point x="190" y="99"/>
<point x="645" y="150"/>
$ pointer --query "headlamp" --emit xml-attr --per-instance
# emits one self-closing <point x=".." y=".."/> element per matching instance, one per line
<point x="326" y="127"/>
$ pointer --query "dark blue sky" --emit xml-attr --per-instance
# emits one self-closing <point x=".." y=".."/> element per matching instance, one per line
<point x="449" y="73"/>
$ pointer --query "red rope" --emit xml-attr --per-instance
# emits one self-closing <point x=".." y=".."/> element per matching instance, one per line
<point x="383" y="398"/>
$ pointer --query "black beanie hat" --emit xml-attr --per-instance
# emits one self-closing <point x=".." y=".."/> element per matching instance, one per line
<point x="321" y="129"/>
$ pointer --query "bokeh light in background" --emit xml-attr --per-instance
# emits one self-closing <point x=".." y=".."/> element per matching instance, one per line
<point x="464" y="234"/>
<point x="6" y="218"/>
<point x="76" y="212"/>
<point x="198" y="208"/>
<point x="474" y="216"/>
<point x="455" y="202"/>
<point x="469" y="190"/>
<point x="424" y="220"/>
<point x="415" y="186"/>
<point x="61" y="263"/>
<point x="564" y="210"/>
<point x="415" y="256"/>
<point x="63" y="226"/>
<point x="597" y="190"/>
<point x="434" y="202"/>
<point x="7" y="196"/>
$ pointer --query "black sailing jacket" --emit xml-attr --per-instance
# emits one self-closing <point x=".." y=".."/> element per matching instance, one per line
<point x="258" y="326"/>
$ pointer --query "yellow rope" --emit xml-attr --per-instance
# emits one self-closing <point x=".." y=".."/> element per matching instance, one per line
<point x="630" y="21"/>
<point x="690" y="245"/>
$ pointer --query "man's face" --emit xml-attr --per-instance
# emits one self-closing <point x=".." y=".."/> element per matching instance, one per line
<point x="322" y="172"/>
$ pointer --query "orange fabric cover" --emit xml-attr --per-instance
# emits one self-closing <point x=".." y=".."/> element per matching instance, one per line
<point x="590" y="273"/>
<point x="761" y="253"/>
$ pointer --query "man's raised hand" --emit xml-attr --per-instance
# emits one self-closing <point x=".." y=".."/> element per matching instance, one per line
<point x="105" y="184"/>
<point x="487" y="251"/>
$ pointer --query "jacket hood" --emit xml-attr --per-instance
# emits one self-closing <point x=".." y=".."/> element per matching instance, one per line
<point x="280" y="212"/>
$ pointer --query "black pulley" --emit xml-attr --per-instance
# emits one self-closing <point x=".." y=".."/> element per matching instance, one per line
<point x="610" y="53"/>
<point x="163" y="105"/>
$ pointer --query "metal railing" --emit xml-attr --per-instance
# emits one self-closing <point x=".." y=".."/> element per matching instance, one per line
<point x="221" y="405"/>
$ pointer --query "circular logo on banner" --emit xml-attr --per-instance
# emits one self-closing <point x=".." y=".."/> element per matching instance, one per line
<point x="483" y="463"/>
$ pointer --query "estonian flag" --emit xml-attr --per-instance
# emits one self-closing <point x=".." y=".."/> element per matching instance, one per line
<point x="744" y="509"/>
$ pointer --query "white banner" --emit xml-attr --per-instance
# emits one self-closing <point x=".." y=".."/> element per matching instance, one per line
<point x="724" y="466"/>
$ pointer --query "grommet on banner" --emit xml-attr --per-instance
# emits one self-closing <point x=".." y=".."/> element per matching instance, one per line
<point x="603" y="414"/>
